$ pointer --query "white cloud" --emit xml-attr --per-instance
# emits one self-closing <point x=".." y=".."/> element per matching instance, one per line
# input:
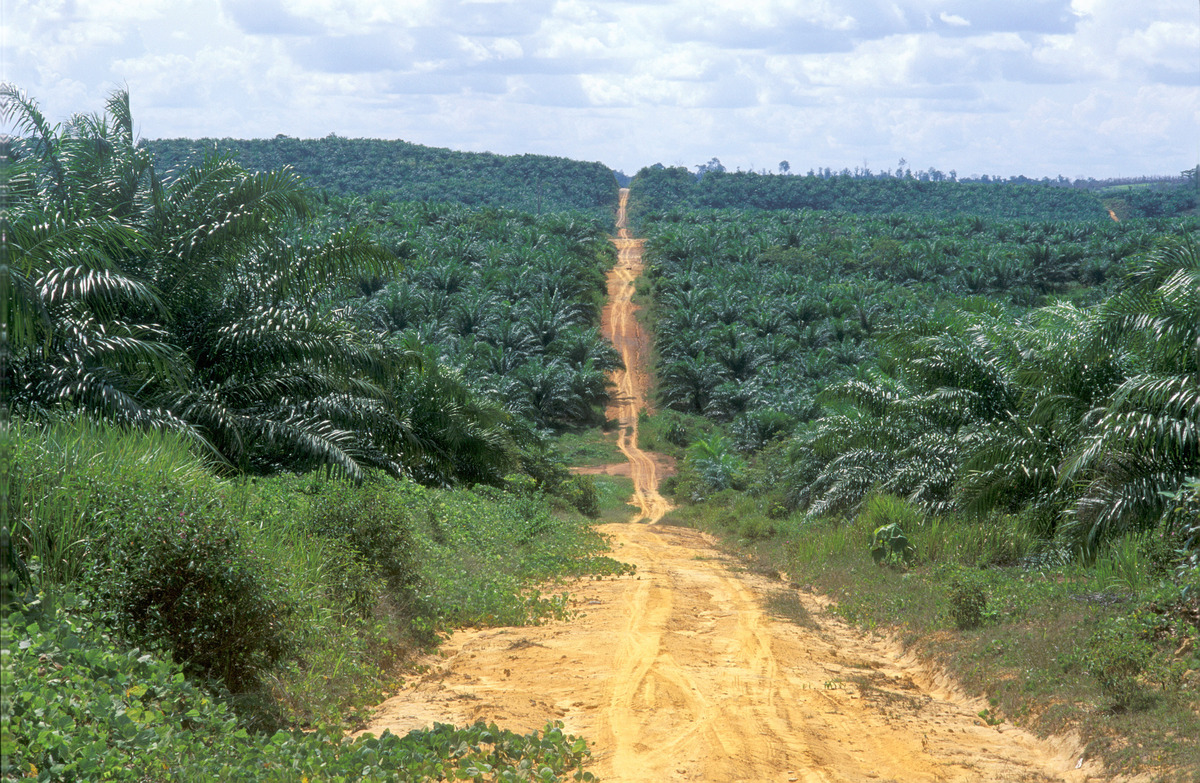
<point x="1028" y="86"/>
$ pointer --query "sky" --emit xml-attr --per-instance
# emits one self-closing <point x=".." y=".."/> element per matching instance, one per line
<point x="1078" y="88"/>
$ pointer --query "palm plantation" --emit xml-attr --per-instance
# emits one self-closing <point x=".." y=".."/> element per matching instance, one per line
<point x="870" y="336"/>
<point x="217" y="302"/>
<point x="269" y="432"/>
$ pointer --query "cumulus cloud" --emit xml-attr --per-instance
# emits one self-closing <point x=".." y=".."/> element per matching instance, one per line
<point x="1043" y="17"/>
<point x="268" y="17"/>
<point x="1026" y="86"/>
<point x="363" y="53"/>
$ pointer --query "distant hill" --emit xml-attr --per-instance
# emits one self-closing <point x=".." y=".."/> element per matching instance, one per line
<point x="659" y="188"/>
<point x="412" y="172"/>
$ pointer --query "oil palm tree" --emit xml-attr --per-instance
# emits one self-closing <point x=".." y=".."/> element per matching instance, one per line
<point x="1145" y="440"/>
<point x="79" y="331"/>
<point x="1065" y="370"/>
<point x="197" y="303"/>
<point x="460" y="435"/>
<point x="277" y="368"/>
<point x="687" y="383"/>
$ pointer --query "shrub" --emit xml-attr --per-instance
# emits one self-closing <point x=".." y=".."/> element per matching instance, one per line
<point x="115" y="514"/>
<point x="373" y="523"/>
<point x="350" y="583"/>
<point x="1182" y="521"/>
<point x="968" y="600"/>
<point x="754" y="527"/>
<point x="1159" y="553"/>
<point x="580" y="492"/>
<point x="889" y="546"/>
<point x="777" y="506"/>
<point x="675" y="429"/>
<point x="1117" y="657"/>
<point x="187" y="584"/>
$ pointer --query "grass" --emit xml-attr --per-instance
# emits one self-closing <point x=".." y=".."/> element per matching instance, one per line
<point x="54" y="480"/>
<point x="671" y="432"/>
<point x="590" y="447"/>
<point x="1108" y="650"/>
<point x="614" y="492"/>
<point x="407" y="563"/>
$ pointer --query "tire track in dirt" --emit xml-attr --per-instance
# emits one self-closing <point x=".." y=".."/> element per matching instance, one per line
<point x="678" y="673"/>
<point x="619" y="324"/>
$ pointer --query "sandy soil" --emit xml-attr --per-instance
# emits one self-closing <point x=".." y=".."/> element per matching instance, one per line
<point x="664" y="466"/>
<point x="679" y="673"/>
<point x="619" y="325"/>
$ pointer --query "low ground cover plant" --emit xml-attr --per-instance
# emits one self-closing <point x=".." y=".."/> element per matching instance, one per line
<point x="80" y="705"/>
<point x="251" y="606"/>
<point x="1107" y="650"/>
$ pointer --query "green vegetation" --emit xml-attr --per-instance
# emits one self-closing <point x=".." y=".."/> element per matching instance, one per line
<point x="507" y="300"/>
<point x="1107" y="650"/>
<point x="979" y="434"/>
<point x="267" y="603"/>
<point x="981" y="414"/>
<point x="1155" y="199"/>
<point x="226" y="305"/>
<point x="80" y="707"/>
<point x="231" y="472"/>
<point x="261" y="444"/>
<point x="589" y="447"/>
<point x="402" y="171"/>
<point x="762" y="311"/>
<point x="659" y="189"/>
<point x="846" y="355"/>
<point x="613" y="494"/>
<point x="202" y="304"/>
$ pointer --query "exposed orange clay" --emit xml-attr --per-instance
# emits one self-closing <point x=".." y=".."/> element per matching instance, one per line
<point x="619" y="324"/>
<point x="677" y="673"/>
<point x="1113" y="215"/>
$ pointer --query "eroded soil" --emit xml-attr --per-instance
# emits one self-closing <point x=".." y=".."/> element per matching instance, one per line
<point x="619" y="324"/>
<point x="678" y="672"/>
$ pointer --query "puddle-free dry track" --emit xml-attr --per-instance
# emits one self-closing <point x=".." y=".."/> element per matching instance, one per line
<point x="678" y="673"/>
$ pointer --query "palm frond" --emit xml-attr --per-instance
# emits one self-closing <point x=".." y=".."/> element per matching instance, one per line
<point x="22" y="112"/>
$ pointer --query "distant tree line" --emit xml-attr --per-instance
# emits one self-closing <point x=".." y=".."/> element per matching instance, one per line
<point x="660" y="188"/>
<point x="411" y="172"/>
<point x="932" y="174"/>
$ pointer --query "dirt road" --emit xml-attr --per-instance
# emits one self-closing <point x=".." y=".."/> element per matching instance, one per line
<point x="621" y="327"/>
<point x="679" y="673"/>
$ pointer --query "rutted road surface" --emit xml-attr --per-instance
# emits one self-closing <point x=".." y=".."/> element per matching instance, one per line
<point x="622" y="328"/>
<point x="678" y="673"/>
